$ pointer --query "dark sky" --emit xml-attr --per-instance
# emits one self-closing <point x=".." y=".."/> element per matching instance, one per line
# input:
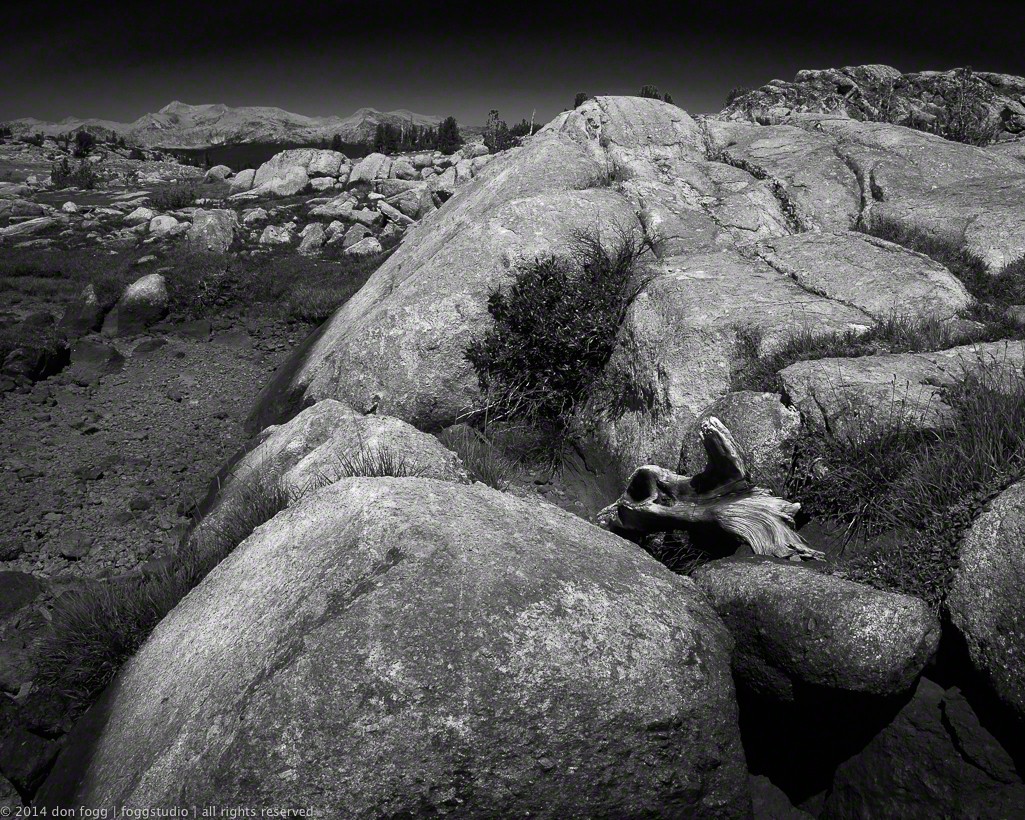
<point x="94" y="58"/>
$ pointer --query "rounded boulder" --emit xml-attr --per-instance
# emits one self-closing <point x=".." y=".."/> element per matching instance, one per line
<point x="796" y="627"/>
<point x="407" y="647"/>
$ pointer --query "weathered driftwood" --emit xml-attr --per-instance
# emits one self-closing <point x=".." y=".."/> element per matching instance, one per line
<point x="658" y="500"/>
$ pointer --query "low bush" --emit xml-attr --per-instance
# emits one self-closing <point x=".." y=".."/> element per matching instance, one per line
<point x="919" y="490"/>
<point x="554" y="330"/>
<point x="172" y="197"/>
<point x="62" y="175"/>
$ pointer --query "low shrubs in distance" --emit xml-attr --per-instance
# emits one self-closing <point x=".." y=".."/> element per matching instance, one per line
<point x="920" y="491"/>
<point x="173" y="197"/>
<point x="62" y="175"/>
<point x="554" y="330"/>
<point x="300" y="288"/>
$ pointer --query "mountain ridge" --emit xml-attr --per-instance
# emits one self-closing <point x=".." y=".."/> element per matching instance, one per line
<point x="182" y="125"/>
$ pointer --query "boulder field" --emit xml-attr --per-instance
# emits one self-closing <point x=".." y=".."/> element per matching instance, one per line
<point x="415" y="644"/>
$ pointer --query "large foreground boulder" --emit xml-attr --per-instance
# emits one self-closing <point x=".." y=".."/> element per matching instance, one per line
<point x="985" y="599"/>
<point x="798" y="628"/>
<point x="403" y="647"/>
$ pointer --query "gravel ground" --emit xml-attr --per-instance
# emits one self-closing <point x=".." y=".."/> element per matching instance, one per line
<point x="96" y="479"/>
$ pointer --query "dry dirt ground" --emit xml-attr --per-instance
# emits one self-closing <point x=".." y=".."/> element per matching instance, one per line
<point x="98" y="478"/>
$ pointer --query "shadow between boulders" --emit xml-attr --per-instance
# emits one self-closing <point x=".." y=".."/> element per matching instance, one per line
<point x="66" y="786"/>
<point x="953" y="666"/>
<point x="799" y="745"/>
<point x="281" y="399"/>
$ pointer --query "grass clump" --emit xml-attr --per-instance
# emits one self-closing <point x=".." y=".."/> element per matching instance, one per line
<point x="918" y="490"/>
<point x="375" y="462"/>
<point x="896" y="334"/>
<point x="554" y="330"/>
<point x="483" y="459"/>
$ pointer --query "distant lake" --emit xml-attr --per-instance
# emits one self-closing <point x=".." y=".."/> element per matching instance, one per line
<point x="252" y="154"/>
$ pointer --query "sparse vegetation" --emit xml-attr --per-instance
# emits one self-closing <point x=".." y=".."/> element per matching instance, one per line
<point x="555" y="328"/>
<point x="173" y="197"/>
<point x="484" y="460"/>
<point x="897" y="334"/>
<point x="652" y="92"/>
<point x="84" y="142"/>
<point x="917" y="491"/>
<point x="281" y="283"/>
<point x="580" y="99"/>
<point x="62" y="175"/>
<point x="95" y="630"/>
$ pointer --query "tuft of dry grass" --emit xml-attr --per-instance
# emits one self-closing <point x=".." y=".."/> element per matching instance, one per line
<point x="95" y="630"/>
<point x="484" y="460"/>
<point x="920" y="489"/>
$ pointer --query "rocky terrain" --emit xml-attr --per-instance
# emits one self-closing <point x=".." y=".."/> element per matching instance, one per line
<point x="381" y="633"/>
<point x="882" y="93"/>
<point x="179" y="125"/>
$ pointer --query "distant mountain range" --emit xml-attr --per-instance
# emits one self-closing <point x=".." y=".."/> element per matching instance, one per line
<point x="179" y="125"/>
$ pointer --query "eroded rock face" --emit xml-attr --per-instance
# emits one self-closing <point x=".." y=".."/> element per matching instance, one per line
<point x="878" y="277"/>
<point x="985" y="599"/>
<point x="936" y="185"/>
<point x="796" y="627"/>
<point x="753" y="228"/>
<point x="405" y="646"/>
<point x="881" y="92"/>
